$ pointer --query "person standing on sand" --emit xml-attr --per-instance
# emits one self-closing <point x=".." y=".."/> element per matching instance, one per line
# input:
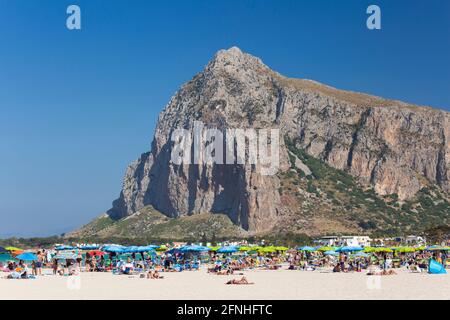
<point x="79" y="260"/>
<point x="55" y="266"/>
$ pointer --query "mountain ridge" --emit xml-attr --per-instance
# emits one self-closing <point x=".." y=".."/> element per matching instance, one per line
<point x="393" y="147"/>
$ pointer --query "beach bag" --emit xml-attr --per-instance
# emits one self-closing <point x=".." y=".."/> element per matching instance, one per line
<point x="436" y="268"/>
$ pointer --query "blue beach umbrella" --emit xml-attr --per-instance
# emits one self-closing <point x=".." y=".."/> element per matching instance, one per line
<point x="64" y="247"/>
<point x="306" y="248"/>
<point x="349" y="249"/>
<point x="148" y="248"/>
<point x="3" y="250"/>
<point x="89" y="247"/>
<point x="131" y="249"/>
<point x="114" y="248"/>
<point x="331" y="253"/>
<point x="27" y="256"/>
<point x="194" y="248"/>
<point x="227" y="249"/>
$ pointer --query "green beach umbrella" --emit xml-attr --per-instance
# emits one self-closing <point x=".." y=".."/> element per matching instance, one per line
<point x="267" y="250"/>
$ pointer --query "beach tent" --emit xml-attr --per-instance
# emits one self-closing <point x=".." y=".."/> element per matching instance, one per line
<point x="27" y="256"/>
<point x="306" y="248"/>
<point x="227" y="249"/>
<point x="436" y="268"/>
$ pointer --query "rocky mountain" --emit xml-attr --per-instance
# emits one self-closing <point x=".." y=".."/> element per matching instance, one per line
<point x="349" y="162"/>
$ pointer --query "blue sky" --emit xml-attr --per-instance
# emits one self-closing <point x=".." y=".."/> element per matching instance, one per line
<point x="78" y="106"/>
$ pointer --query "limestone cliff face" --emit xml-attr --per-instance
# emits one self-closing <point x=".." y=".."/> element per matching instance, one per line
<point x="395" y="147"/>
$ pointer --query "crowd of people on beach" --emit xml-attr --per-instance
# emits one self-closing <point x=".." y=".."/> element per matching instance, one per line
<point x="152" y="264"/>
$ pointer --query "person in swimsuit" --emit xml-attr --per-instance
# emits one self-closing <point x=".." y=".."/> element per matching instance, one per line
<point x="243" y="280"/>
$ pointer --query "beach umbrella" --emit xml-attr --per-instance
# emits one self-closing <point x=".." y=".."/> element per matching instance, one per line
<point x="194" y="248"/>
<point x="65" y="255"/>
<point x="383" y="250"/>
<point x="114" y="248"/>
<point x="148" y="248"/>
<point x="130" y="249"/>
<point x="214" y="248"/>
<point x="13" y="249"/>
<point x="64" y="247"/>
<point x="281" y="248"/>
<point x="27" y="256"/>
<point x="162" y="248"/>
<point x="435" y="248"/>
<point x="326" y="248"/>
<point x="405" y="249"/>
<point x="3" y="250"/>
<point x="349" y="249"/>
<point x="361" y="254"/>
<point x="331" y="253"/>
<point x="306" y="248"/>
<point x="89" y="247"/>
<point x="5" y="257"/>
<point x="97" y="253"/>
<point x="227" y="249"/>
<point x="267" y="250"/>
<point x="244" y="248"/>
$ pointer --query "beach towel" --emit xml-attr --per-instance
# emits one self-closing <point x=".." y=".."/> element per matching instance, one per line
<point x="436" y="268"/>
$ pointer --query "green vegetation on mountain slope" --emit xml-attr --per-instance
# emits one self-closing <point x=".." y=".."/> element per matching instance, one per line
<point x="331" y="200"/>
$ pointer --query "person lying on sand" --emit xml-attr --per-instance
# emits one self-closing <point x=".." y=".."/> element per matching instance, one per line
<point x="224" y="272"/>
<point x="154" y="275"/>
<point x="382" y="273"/>
<point x="243" y="280"/>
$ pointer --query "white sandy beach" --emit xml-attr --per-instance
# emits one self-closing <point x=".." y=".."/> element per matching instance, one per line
<point x="269" y="285"/>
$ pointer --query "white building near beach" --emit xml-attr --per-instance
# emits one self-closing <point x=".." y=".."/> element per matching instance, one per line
<point x="362" y="241"/>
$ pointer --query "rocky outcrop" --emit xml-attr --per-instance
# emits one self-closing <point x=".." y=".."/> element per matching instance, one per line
<point x="395" y="147"/>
